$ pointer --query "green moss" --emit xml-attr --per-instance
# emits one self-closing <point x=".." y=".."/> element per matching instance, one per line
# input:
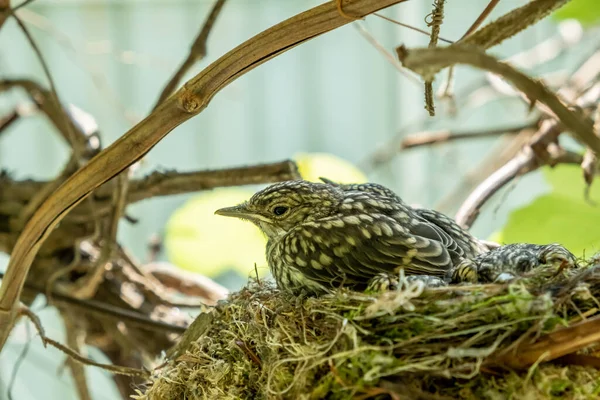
<point x="265" y="344"/>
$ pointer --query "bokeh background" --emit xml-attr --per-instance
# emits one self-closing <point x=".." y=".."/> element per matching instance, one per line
<point x="335" y="95"/>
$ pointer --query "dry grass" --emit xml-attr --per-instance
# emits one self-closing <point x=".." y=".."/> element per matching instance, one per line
<point x="413" y="343"/>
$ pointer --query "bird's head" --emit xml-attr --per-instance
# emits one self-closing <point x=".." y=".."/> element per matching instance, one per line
<point x="282" y="206"/>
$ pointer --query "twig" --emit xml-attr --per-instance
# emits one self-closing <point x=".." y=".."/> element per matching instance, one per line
<point x="75" y="337"/>
<point x="109" y="311"/>
<point x="170" y="183"/>
<point x="484" y="14"/>
<point x="447" y="91"/>
<point x="87" y="286"/>
<point x="437" y="18"/>
<point x="187" y="283"/>
<point x="71" y="135"/>
<point x="388" y="56"/>
<point x="429" y="138"/>
<point x="425" y="61"/>
<point x="8" y="120"/>
<point x="589" y="165"/>
<point x="197" y="53"/>
<point x="410" y="27"/>
<point x="18" y="363"/>
<point x="523" y="163"/>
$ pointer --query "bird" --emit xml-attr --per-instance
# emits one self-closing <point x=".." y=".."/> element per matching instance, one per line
<point x="469" y="244"/>
<point x="507" y="262"/>
<point x="322" y="236"/>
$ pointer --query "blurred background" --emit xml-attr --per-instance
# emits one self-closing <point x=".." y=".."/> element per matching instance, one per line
<point x="332" y="104"/>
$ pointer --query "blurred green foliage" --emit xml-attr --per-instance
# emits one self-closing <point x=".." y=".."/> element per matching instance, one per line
<point x="563" y="215"/>
<point x="587" y="12"/>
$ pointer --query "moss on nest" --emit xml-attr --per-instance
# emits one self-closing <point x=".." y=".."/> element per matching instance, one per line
<point x="412" y="343"/>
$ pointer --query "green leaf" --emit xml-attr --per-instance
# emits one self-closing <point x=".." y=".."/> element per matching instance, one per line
<point x="587" y="12"/>
<point x="562" y="216"/>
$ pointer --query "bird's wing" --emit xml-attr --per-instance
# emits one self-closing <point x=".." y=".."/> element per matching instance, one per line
<point x="467" y="242"/>
<point x="355" y="248"/>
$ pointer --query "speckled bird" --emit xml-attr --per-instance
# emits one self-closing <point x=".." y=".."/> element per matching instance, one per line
<point x="510" y="261"/>
<point x="323" y="236"/>
<point x="470" y="246"/>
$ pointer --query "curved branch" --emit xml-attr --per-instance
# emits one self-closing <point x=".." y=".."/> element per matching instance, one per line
<point x="189" y="101"/>
<point x="427" y="62"/>
<point x="522" y="163"/>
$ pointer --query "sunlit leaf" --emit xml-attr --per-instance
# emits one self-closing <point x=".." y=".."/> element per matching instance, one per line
<point x="587" y="12"/>
<point x="562" y="216"/>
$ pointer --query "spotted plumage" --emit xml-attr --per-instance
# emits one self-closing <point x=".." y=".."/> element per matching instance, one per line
<point x="470" y="246"/>
<point x="507" y="262"/>
<point x="323" y="236"/>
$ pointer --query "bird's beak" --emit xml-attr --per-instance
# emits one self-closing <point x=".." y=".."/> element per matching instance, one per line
<point x="239" y="211"/>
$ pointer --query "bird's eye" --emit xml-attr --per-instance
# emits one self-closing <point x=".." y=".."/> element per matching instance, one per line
<point x="280" y="210"/>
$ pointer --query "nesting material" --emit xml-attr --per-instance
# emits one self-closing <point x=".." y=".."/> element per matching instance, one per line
<point x="414" y="343"/>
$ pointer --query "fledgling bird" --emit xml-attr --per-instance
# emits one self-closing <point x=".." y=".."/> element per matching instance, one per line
<point x="512" y="260"/>
<point x="321" y="236"/>
<point x="471" y="247"/>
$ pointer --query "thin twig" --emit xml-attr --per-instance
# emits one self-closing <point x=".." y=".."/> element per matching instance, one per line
<point x="70" y="132"/>
<point x="109" y="311"/>
<point x="410" y="27"/>
<point x="437" y="18"/>
<point x="8" y="120"/>
<point x="447" y="91"/>
<point x="386" y="54"/>
<point x="187" y="283"/>
<point x="196" y="54"/>
<point x="75" y="337"/>
<point x="437" y="137"/>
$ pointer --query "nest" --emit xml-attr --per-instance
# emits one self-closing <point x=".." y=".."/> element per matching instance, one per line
<point x="458" y="342"/>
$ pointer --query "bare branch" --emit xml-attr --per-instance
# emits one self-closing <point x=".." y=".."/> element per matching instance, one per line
<point x="187" y="283"/>
<point x="437" y="137"/>
<point x="197" y="52"/>
<point x="426" y="61"/>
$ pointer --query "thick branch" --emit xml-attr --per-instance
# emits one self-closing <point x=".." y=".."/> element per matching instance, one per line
<point x="189" y="101"/>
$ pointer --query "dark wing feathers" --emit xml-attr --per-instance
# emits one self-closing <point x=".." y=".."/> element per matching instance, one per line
<point x="468" y="244"/>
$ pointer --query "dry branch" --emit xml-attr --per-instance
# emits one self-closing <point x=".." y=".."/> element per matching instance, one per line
<point x="436" y="137"/>
<point x="190" y="100"/>
<point x="428" y="61"/>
